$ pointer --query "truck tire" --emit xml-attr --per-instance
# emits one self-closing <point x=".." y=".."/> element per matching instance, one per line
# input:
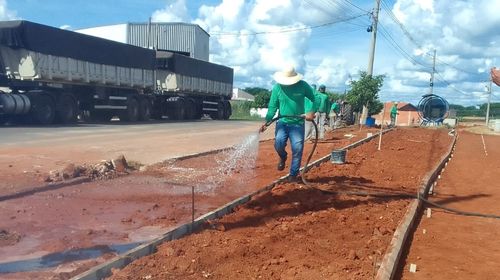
<point x="43" y="109"/>
<point x="221" y="110"/>
<point x="3" y="119"/>
<point x="227" y="110"/>
<point x="178" y="111"/>
<point x="66" y="109"/>
<point x="219" y="115"/>
<point x="347" y="114"/>
<point x="144" y="110"/>
<point x="131" y="114"/>
<point x="190" y="109"/>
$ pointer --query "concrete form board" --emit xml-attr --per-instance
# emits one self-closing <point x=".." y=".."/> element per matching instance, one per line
<point x="104" y="270"/>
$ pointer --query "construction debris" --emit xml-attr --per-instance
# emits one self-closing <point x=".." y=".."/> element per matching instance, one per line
<point x="106" y="169"/>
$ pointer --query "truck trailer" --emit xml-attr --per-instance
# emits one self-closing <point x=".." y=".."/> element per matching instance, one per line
<point x="50" y="75"/>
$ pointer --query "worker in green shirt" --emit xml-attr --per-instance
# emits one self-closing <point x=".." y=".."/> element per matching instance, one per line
<point x="323" y="109"/>
<point x="309" y="106"/>
<point x="394" y="113"/>
<point x="288" y="97"/>
<point x="334" y="113"/>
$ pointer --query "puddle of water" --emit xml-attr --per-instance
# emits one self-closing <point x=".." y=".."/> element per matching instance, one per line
<point x="55" y="259"/>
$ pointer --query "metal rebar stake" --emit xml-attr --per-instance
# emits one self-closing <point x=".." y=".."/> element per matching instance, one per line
<point x="192" y="209"/>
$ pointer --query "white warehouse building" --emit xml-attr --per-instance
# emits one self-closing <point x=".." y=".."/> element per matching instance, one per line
<point x="184" y="38"/>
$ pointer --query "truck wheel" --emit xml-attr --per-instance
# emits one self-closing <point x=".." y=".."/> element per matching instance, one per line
<point x="220" y="110"/>
<point x="66" y="109"/>
<point x="43" y="110"/>
<point x="190" y="109"/>
<point x="131" y="114"/>
<point x="3" y="119"/>
<point x="227" y="110"/>
<point x="144" y="110"/>
<point x="179" y="109"/>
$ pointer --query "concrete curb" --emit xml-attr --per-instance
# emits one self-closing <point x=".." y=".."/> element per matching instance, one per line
<point x="390" y="262"/>
<point x="104" y="270"/>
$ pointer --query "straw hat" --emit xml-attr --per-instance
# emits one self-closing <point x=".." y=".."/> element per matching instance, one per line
<point x="287" y="76"/>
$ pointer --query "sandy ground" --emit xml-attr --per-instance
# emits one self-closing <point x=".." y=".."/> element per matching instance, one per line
<point x="460" y="247"/>
<point x="63" y="231"/>
<point x="299" y="232"/>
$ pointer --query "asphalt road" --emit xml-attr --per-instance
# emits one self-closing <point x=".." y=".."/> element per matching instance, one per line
<point x="26" y="152"/>
<point x="23" y="136"/>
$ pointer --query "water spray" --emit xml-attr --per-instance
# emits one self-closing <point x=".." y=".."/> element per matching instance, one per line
<point x="306" y="167"/>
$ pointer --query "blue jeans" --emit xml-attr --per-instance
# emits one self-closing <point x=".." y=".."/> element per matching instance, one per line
<point x="296" y="134"/>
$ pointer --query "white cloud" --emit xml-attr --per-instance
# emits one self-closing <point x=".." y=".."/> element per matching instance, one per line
<point x="66" y="26"/>
<point x="5" y="13"/>
<point x="175" y="11"/>
<point x="464" y="33"/>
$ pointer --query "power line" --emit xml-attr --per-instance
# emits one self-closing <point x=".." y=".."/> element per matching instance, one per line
<point x="359" y="8"/>
<point x="286" y="30"/>
<point x="391" y="15"/>
<point x="449" y="84"/>
<point x="398" y="48"/>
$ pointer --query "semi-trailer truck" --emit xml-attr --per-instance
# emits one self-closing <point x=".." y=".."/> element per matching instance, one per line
<point x="50" y="75"/>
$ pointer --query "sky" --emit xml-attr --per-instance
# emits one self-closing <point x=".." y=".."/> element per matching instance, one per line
<point x="326" y="40"/>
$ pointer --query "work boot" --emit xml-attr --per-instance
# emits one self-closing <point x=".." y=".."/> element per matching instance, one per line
<point x="294" y="179"/>
<point x="281" y="164"/>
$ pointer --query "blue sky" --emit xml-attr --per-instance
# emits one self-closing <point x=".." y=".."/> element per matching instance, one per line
<point x="464" y="33"/>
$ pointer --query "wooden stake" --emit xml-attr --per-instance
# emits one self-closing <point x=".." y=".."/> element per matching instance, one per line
<point x="381" y="128"/>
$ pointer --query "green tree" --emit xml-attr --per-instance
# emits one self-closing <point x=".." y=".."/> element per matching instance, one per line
<point x="255" y="90"/>
<point x="364" y="92"/>
<point x="262" y="99"/>
<point x="375" y="108"/>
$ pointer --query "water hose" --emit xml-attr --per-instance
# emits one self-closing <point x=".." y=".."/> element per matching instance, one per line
<point x="306" y="166"/>
<point x="399" y="195"/>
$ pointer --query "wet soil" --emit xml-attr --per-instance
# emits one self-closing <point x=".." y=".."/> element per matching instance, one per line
<point x="449" y="246"/>
<point x="64" y="231"/>
<point x="303" y="232"/>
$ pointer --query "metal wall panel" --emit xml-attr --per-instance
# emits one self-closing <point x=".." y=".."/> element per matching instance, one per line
<point x="180" y="37"/>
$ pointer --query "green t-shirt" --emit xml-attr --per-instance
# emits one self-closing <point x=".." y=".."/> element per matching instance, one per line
<point x="335" y="107"/>
<point x="394" y="111"/>
<point x="290" y="101"/>
<point x="324" y="102"/>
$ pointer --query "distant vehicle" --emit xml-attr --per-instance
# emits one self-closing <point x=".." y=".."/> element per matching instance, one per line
<point x="50" y="75"/>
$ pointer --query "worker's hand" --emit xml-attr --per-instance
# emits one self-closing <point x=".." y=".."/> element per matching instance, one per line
<point x="263" y="128"/>
<point x="309" y="116"/>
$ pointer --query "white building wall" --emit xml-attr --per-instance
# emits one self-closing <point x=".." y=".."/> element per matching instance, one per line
<point x="116" y="32"/>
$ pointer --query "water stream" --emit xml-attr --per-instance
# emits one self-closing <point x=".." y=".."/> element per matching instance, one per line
<point x="238" y="161"/>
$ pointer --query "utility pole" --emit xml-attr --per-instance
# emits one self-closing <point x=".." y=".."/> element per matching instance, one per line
<point x="488" y="106"/>
<point x="433" y="71"/>
<point x="371" y="59"/>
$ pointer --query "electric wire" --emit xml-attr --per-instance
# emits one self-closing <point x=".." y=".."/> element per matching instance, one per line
<point x="354" y="5"/>
<point x="398" y="48"/>
<point x="286" y="30"/>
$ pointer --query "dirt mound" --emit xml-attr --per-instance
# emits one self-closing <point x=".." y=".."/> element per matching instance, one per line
<point x="106" y="169"/>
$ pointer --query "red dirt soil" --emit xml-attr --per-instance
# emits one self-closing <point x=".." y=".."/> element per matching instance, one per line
<point x="300" y="232"/>
<point x="460" y="247"/>
<point x="58" y="233"/>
